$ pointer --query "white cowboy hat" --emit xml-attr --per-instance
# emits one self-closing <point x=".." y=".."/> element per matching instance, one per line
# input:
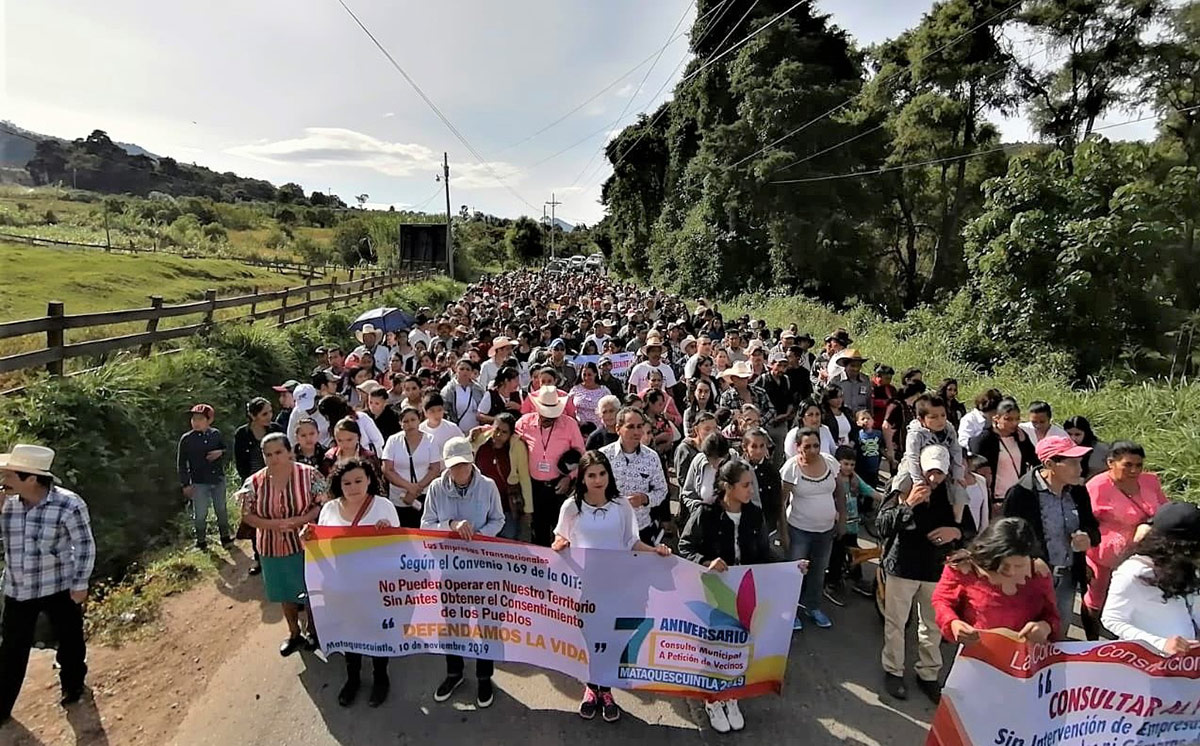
<point x="740" y="369"/>
<point x="28" y="459"/>
<point x="499" y="343"/>
<point x="367" y="329"/>
<point x="548" y="403"/>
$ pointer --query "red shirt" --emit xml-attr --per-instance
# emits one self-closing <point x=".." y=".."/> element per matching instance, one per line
<point x="494" y="464"/>
<point x="974" y="599"/>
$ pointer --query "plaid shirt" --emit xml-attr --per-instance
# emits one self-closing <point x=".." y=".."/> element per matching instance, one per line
<point x="47" y="548"/>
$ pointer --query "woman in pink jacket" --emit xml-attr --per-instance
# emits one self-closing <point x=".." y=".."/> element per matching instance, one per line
<point x="1123" y="498"/>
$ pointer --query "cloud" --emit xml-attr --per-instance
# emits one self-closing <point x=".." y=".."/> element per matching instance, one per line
<point x="626" y="90"/>
<point x="389" y="115"/>
<point x="338" y="147"/>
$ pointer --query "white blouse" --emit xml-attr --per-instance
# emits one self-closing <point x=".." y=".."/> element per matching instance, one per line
<point x="1135" y="610"/>
<point x="610" y="526"/>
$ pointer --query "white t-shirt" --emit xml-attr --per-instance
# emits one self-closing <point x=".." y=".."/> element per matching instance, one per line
<point x="639" y="377"/>
<point x="380" y="510"/>
<point x="462" y="405"/>
<point x="1054" y="432"/>
<point x="423" y="456"/>
<point x="440" y="434"/>
<point x="843" y="424"/>
<point x="1135" y="609"/>
<point x="611" y="526"/>
<point x="827" y="444"/>
<point x="978" y="501"/>
<point x="811" y="506"/>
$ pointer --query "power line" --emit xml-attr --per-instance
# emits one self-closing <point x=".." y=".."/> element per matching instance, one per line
<point x="712" y="60"/>
<point x="936" y="161"/>
<point x="881" y="125"/>
<point x="637" y="90"/>
<point x="449" y="125"/>
<point x="848" y="101"/>
<point x="607" y="88"/>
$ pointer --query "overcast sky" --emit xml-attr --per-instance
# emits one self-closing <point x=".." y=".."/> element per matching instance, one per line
<point x="293" y="90"/>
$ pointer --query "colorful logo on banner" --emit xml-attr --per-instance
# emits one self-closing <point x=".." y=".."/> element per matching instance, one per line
<point x="622" y="363"/>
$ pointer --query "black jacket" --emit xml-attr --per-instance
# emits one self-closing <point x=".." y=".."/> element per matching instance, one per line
<point x="907" y="551"/>
<point x="709" y="534"/>
<point x="830" y="420"/>
<point x="1022" y="502"/>
<point x="247" y="454"/>
<point x="987" y="445"/>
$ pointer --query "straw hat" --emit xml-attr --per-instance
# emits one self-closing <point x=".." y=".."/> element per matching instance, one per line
<point x="851" y="355"/>
<point x="28" y="459"/>
<point x="499" y="343"/>
<point x="368" y="329"/>
<point x="653" y="339"/>
<point x="740" y="369"/>
<point x="548" y="403"/>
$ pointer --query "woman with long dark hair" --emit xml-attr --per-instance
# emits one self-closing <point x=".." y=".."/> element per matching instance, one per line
<point x="996" y="583"/>
<point x="1080" y="430"/>
<point x="955" y="409"/>
<point x="1155" y="594"/>
<point x="599" y="519"/>
<point x="248" y="458"/>
<point x="837" y="417"/>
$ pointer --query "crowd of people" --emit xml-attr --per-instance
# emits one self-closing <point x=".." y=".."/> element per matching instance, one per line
<point x="577" y="411"/>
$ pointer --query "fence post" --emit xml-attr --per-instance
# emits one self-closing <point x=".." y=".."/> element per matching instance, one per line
<point x="210" y="297"/>
<point x="349" y="287"/>
<point x="55" y="336"/>
<point x="156" y="302"/>
<point x="254" y="305"/>
<point x="333" y="283"/>
<point x="283" y="308"/>
<point x="308" y="297"/>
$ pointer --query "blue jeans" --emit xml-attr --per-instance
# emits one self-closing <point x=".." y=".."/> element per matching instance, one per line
<point x="512" y="526"/>
<point x="202" y="496"/>
<point x="816" y="547"/>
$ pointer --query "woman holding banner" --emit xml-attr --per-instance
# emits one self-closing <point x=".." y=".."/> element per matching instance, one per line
<point x="1155" y="594"/>
<point x="997" y="583"/>
<point x="727" y="532"/>
<point x="599" y="519"/>
<point x="355" y="486"/>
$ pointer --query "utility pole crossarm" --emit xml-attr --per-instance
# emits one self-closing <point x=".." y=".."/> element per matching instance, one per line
<point x="553" y="203"/>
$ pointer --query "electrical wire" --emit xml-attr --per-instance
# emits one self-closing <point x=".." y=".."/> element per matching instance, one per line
<point x="429" y="102"/>
<point x="848" y="101"/>
<point x="936" y="161"/>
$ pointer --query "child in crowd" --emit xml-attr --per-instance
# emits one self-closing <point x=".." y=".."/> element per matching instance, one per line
<point x="307" y="450"/>
<point x="201" y="465"/>
<point x="756" y="450"/>
<point x="860" y="498"/>
<point x="599" y="519"/>
<point x="932" y="427"/>
<point x="870" y="447"/>
<point x="436" y="426"/>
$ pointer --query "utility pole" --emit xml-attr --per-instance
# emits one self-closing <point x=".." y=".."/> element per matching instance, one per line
<point x="449" y="234"/>
<point x="553" y="220"/>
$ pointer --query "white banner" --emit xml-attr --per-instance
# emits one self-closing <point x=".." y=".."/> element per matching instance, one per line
<point x="622" y="619"/>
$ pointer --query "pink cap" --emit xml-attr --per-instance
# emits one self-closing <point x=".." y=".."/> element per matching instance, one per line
<point x="1057" y="446"/>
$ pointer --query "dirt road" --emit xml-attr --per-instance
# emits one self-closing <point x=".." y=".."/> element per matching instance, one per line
<point x="213" y="676"/>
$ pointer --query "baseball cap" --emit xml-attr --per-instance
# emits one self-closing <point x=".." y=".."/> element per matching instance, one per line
<point x="306" y="396"/>
<point x="1177" y="519"/>
<point x="935" y="458"/>
<point x="777" y="357"/>
<point x="369" y="386"/>
<point x="604" y="360"/>
<point x="457" y="451"/>
<point x="203" y="409"/>
<point x="289" y="385"/>
<point x="1059" y="446"/>
<point x="560" y="342"/>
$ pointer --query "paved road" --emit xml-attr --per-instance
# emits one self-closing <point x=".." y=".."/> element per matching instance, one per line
<point x="256" y="698"/>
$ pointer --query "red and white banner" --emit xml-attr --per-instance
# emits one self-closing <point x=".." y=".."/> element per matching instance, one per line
<point x="1004" y="692"/>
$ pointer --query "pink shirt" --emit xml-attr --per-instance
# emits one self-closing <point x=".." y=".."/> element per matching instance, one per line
<point x="1119" y="515"/>
<point x="547" y="445"/>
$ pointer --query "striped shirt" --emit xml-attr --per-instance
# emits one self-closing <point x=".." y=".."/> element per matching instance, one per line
<point x="48" y="548"/>
<point x="304" y="491"/>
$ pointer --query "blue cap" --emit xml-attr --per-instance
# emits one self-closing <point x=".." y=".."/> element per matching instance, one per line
<point x="558" y="343"/>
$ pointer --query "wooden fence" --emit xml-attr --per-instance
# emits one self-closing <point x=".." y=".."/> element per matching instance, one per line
<point x="282" y="307"/>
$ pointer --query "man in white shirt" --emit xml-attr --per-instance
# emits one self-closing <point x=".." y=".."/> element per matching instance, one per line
<point x="638" y="471"/>
<point x="639" y="377"/>
<point x="370" y="351"/>
<point x="1040" y="423"/>
<point x="500" y="351"/>
<point x="462" y="396"/>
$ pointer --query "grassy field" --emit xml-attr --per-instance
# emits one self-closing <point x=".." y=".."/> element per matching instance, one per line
<point x="1160" y="416"/>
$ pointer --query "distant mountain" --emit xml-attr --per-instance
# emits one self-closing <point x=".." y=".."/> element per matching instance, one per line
<point x="563" y="225"/>
<point x="17" y="145"/>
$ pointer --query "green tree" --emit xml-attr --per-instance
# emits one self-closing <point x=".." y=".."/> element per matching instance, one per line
<point x="290" y="194"/>
<point x="524" y="240"/>
<point x="352" y="243"/>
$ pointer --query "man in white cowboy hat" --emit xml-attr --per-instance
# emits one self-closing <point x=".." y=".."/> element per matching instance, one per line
<point x="500" y="351"/>
<point x="49" y="553"/>
<point x="741" y="392"/>
<point x="639" y="377"/>
<point x="549" y="436"/>
<point x="371" y="348"/>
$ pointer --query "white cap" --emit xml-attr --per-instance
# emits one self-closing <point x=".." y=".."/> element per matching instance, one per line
<point x="305" y="396"/>
<point x="935" y="458"/>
